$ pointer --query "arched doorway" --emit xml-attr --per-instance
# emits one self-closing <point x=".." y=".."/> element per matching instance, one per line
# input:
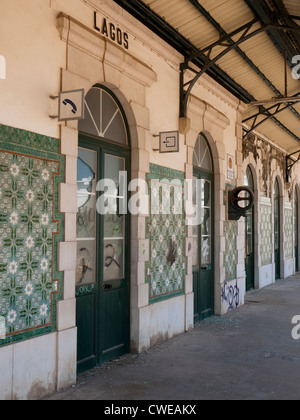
<point x="249" y="236"/>
<point x="103" y="231"/>
<point x="296" y="228"/>
<point x="203" y="234"/>
<point x="277" y="221"/>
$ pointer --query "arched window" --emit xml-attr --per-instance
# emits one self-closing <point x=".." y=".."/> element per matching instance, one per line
<point x="202" y="155"/>
<point x="248" y="179"/>
<point x="104" y="116"/>
<point x="103" y="234"/>
<point x="203" y="233"/>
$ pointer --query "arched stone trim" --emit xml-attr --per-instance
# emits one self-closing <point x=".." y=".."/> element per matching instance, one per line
<point x="250" y="163"/>
<point x="277" y="176"/>
<point x="218" y="155"/>
<point x="92" y="59"/>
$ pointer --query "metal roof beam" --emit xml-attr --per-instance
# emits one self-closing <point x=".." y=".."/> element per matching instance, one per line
<point x="223" y="33"/>
<point x="229" y="45"/>
<point x="281" y="40"/>
<point x="159" y="26"/>
<point x="267" y="114"/>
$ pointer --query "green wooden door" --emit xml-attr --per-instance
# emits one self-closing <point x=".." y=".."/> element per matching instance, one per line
<point x="249" y="236"/>
<point x="114" y="273"/>
<point x="203" y="230"/>
<point x="103" y="231"/>
<point x="102" y="278"/>
<point x="277" y="230"/>
<point x="249" y="251"/>
<point x="86" y="273"/>
<point x="203" y="268"/>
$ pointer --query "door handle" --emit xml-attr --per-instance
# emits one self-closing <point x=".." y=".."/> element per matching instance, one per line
<point x="206" y="268"/>
<point x="106" y="286"/>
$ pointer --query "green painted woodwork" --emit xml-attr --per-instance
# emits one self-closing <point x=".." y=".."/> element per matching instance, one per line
<point x="103" y="319"/>
<point x="249" y="237"/>
<point x="277" y="236"/>
<point x="203" y="272"/>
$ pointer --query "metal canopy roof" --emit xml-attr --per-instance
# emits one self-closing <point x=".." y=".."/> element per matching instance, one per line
<point x="245" y="45"/>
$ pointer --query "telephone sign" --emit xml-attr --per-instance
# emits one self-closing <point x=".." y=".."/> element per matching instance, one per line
<point x="71" y="105"/>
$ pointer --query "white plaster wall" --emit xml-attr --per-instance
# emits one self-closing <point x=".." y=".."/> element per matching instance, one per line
<point x="28" y="369"/>
<point x="288" y="267"/>
<point x="34" y="56"/>
<point x="161" y="321"/>
<point x="38" y="367"/>
<point x="266" y="275"/>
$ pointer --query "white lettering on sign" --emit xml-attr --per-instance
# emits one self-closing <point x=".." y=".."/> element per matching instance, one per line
<point x="2" y="67"/>
<point x="296" y="69"/>
<point x="111" y="31"/>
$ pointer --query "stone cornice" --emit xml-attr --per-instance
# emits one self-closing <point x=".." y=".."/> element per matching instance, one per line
<point x="77" y="35"/>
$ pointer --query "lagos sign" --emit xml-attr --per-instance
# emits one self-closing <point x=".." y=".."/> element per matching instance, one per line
<point x="111" y="30"/>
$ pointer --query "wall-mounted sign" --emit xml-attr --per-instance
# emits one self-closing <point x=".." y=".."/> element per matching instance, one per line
<point x="111" y="31"/>
<point x="230" y="167"/>
<point x="71" y="105"/>
<point x="169" y="142"/>
<point x="236" y="196"/>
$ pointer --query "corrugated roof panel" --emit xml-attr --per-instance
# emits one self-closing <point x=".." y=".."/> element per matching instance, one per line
<point x="272" y="131"/>
<point x="231" y="14"/>
<point x="293" y="7"/>
<point x="242" y="73"/>
<point x="267" y="58"/>
<point x="290" y="120"/>
<point x="183" y="16"/>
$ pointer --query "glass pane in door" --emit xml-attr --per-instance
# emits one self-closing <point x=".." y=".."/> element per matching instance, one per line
<point x="276" y="224"/>
<point x="86" y="217"/>
<point x="249" y="233"/>
<point x="195" y="228"/>
<point x="114" y="220"/>
<point x="206" y="222"/>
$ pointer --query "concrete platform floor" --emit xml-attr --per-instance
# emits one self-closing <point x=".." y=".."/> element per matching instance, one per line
<point x="249" y="354"/>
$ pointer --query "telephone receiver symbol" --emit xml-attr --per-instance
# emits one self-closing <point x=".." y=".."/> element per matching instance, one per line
<point x="68" y="101"/>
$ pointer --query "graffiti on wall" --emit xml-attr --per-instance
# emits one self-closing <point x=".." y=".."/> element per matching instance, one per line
<point x="231" y="295"/>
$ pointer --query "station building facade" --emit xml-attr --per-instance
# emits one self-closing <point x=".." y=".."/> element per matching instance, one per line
<point x="77" y="287"/>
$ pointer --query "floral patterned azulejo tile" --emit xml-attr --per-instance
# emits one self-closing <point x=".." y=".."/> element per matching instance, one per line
<point x="166" y="230"/>
<point x="27" y="229"/>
